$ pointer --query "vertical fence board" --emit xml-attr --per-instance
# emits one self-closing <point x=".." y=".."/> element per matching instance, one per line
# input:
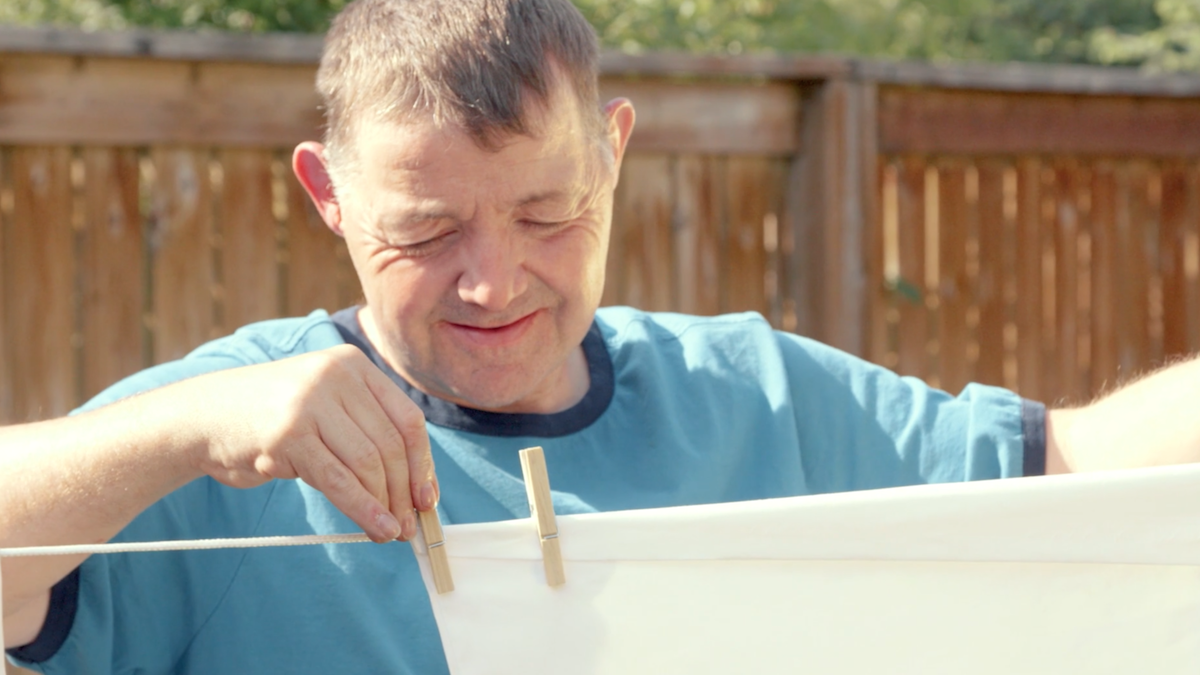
<point x="952" y="284"/>
<point x="1105" y="356"/>
<point x="1178" y="210"/>
<point x="750" y="197"/>
<point x="868" y="190"/>
<point x="112" y="269"/>
<point x="994" y="258"/>
<point x="1133" y="293"/>
<point x="313" y="277"/>
<point x="249" y="239"/>
<point x="913" y="330"/>
<point x="879" y="348"/>
<point x="698" y="235"/>
<point x="1064" y="219"/>
<point x="1029" y="279"/>
<point x="6" y="392"/>
<point x="40" y="281"/>
<point x="642" y="241"/>
<point x="1192" y="258"/>
<point x="180" y="233"/>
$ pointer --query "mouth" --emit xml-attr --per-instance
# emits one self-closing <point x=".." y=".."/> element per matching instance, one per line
<point x="494" y="336"/>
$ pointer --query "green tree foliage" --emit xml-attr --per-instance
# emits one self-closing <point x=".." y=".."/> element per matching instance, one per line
<point x="1164" y="34"/>
<point x="1173" y="45"/>
<point x="1026" y="30"/>
<point x="88" y="14"/>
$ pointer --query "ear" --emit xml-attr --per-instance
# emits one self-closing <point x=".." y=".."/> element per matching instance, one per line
<point x="308" y="163"/>
<point x="620" y="116"/>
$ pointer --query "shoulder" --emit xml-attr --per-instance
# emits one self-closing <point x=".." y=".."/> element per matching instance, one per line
<point x="273" y="340"/>
<point x="625" y="327"/>
<point x="254" y="343"/>
<point x="742" y="335"/>
<point x="677" y="347"/>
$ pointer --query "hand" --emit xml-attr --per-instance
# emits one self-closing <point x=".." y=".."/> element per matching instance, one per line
<point x="330" y="418"/>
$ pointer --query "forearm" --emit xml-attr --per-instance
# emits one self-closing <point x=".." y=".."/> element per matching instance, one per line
<point x="81" y="480"/>
<point x="1152" y="422"/>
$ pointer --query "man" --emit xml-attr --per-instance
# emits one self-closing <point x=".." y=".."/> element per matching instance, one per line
<point x="470" y="167"/>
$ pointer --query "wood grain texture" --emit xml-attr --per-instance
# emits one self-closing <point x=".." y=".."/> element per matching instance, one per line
<point x="639" y="265"/>
<point x="6" y="391"/>
<point x="541" y="507"/>
<point x="112" y="269"/>
<point x="1179" y="213"/>
<point x="39" y="270"/>
<point x="1065" y="216"/>
<point x="435" y="545"/>
<point x="312" y="256"/>
<point x="830" y="217"/>
<point x="98" y="100"/>
<point x="996" y="259"/>
<point x="61" y="99"/>
<point x="1133" y="269"/>
<point x="181" y="255"/>
<point x="980" y="122"/>
<point x="870" y="169"/>
<point x="913" y="324"/>
<point x="953" y="285"/>
<point x="750" y="199"/>
<point x="249" y="240"/>
<point x="710" y="117"/>
<point x="1030" y="380"/>
<point x="1105" y="282"/>
<point x="699" y="234"/>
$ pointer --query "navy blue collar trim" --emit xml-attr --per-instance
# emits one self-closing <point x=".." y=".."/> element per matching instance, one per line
<point x="446" y="414"/>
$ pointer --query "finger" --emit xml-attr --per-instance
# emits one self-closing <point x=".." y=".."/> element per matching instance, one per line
<point x="368" y="413"/>
<point x="410" y="422"/>
<point x="347" y="440"/>
<point x="320" y="468"/>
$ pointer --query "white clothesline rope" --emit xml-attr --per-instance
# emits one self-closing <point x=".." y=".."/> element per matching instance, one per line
<point x="177" y="545"/>
<point x="184" y="545"/>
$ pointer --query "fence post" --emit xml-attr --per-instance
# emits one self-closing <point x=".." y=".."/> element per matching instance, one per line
<point x="833" y="213"/>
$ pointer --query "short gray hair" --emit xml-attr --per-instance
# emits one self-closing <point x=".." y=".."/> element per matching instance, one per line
<point x="478" y="64"/>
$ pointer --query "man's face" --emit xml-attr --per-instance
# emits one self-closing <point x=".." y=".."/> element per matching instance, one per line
<point x="482" y="269"/>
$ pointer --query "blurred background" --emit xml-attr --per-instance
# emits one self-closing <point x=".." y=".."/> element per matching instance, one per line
<point x="1162" y="34"/>
<point x="962" y="190"/>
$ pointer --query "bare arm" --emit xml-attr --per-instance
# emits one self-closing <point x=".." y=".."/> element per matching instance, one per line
<point x="1152" y="422"/>
<point x="329" y="417"/>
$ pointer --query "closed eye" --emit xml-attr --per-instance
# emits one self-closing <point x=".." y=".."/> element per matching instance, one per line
<point x="546" y="224"/>
<point x="426" y="247"/>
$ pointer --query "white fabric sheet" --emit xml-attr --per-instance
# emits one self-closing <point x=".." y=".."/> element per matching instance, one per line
<point x="1076" y="574"/>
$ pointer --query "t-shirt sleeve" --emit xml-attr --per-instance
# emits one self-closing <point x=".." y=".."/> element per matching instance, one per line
<point x="862" y="426"/>
<point x="102" y="613"/>
<point x="131" y="612"/>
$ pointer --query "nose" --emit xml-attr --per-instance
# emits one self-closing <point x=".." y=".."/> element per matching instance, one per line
<point x="494" y="274"/>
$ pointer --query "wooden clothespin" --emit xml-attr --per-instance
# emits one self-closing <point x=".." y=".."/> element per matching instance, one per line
<point x="537" y="487"/>
<point x="435" y="545"/>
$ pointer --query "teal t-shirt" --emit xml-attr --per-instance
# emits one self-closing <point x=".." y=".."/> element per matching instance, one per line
<point x="681" y="410"/>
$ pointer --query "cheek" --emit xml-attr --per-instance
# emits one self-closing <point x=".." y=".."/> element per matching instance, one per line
<point x="574" y="265"/>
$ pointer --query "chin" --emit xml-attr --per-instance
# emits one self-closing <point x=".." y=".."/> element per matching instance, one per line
<point x="508" y="392"/>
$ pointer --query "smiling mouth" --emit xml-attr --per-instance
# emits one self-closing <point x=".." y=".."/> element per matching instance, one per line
<point x="494" y="335"/>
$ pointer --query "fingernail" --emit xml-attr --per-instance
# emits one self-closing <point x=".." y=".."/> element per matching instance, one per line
<point x="427" y="496"/>
<point x="388" y="525"/>
<point x="409" y="526"/>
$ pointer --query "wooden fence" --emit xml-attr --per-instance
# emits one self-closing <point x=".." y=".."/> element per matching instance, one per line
<point x="1035" y="228"/>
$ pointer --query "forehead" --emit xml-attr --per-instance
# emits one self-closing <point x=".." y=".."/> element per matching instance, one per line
<point x="422" y="158"/>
